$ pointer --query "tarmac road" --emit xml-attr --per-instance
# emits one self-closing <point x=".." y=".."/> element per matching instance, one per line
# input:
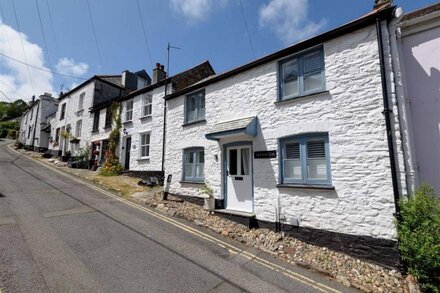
<point x="58" y="234"/>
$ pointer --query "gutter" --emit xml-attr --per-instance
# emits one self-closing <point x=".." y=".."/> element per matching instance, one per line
<point x="386" y="112"/>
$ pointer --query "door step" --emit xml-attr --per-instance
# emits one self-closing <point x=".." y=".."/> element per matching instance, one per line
<point x="244" y="218"/>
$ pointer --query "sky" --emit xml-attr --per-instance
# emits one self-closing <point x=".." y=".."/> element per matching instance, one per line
<point x="81" y="38"/>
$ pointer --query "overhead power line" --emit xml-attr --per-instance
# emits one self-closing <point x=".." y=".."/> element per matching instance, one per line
<point x="145" y="33"/>
<point x="44" y="35"/>
<point x="42" y="69"/>
<point x="6" y="96"/>
<point x="94" y="34"/>
<point x="52" y="28"/>
<point x="12" y="88"/>
<point x="22" y="46"/>
<point x="247" y="29"/>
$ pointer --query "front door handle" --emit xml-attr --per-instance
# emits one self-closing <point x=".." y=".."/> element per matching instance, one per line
<point x="227" y="172"/>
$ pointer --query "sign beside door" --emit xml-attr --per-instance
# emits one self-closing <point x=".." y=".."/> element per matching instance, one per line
<point x="265" y="155"/>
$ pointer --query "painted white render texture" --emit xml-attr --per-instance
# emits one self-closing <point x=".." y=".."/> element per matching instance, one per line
<point x="349" y="110"/>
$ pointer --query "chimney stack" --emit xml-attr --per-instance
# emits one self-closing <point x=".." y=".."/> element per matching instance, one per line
<point x="379" y="3"/>
<point x="159" y="73"/>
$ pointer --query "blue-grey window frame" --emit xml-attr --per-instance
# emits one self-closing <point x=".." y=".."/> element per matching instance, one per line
<point x="186" y="106"/>
<point x="300" y="58"/>
<point x="193" y="178"/>
<point x="303" y="139"/>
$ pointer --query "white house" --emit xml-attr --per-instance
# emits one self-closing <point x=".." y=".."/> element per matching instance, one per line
<point x="306" y="138"/>
<point x="84" y="113"/>
<point x="143" y="118"/>
<point x="33" y="133"/>
<point x="416" y="52"/>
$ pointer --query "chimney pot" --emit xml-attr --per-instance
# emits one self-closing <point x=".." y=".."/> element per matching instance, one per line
<point x="159" y="73"/>
<point x="378" y="3"/>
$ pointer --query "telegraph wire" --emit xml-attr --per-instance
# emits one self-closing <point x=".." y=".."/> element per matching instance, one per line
<point x="6" y="96"/>
<point x="52" y="28"/>
<point x="42" y="69"/>
<point x="22" y="46"/>
<point x="12" y="88"/>
<point x="247" y="29"/>
<point x="94" y="34"/>
<point x="44" y="35"/>
<point x="145" y="33"/>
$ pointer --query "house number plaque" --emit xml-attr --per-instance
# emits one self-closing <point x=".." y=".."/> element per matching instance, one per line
<point x="265" y="155"/>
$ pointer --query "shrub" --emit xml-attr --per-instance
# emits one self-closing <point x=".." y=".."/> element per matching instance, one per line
<point x="111" y="166"/>
<point x="419" y="235"/>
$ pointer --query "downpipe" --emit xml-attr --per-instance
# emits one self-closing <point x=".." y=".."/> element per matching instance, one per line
<point x="386" y="112"/>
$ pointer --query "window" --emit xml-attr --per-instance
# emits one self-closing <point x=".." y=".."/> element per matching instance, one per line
<point x="57" y="135"/>
<point x="129" y="111"/>
<point x="195" y="107"/>
<point x="147" y="105"/>
<point x="81" y="101"/>
<point x="78" y="128"/>
<point x="96" y="121"/>
<point x="32" y="113"/>
<point x="194" y="163"/>
<point x="144" y="145"/>
<point x="301" y="75"/>
<point x="108" y="117"/>
<point x="29" y="131"/>
<point x="63" y="111"/>
<point x="305" y="160"/>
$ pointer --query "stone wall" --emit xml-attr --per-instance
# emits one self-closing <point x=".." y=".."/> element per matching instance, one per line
<point x="350" y="111"/>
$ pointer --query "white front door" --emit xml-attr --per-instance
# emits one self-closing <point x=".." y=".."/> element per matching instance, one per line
<point x="239" y="178"/>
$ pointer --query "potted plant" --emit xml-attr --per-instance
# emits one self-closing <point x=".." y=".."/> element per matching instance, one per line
<point x="209" y="198"/>
<point x="66" y="156"/>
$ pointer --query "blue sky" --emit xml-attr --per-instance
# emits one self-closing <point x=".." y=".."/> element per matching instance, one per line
<point x="211" y="30"/>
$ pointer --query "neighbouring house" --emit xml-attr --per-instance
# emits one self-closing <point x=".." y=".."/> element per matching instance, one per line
<point x="84" y="119"/>
<point x="33" y="125"/>
<point x="142" y="115"/>
<point x="416" y="51"/>
<point x="305" y="139"/>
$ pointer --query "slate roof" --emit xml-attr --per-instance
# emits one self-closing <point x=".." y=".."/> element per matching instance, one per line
<point x="421" y="12"/>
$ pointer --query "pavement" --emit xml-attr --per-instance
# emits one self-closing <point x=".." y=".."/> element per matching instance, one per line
<point x="61" y="234"/>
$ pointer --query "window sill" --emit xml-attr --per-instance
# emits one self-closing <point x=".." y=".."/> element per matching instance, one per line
<point x="143" y="159"/>
<point x="306" y="186"/>
<point x="79" y="112"/>
<point x="145" y="117"/>
<point x="194" y="122"/>
<point x="107" y="127"/>
<point x="127" y="122"/>
<point x="191" y="182"/>
<point x="300" y="97"/>
<point x="95" y="130"/>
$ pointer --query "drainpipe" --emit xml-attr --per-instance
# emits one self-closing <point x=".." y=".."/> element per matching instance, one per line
<point x="386" y="112"/>
<point x="35" y="125"/>
<point x="165" y="194"/>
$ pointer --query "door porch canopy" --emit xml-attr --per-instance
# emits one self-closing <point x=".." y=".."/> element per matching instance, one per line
<point x="244" y="126"/>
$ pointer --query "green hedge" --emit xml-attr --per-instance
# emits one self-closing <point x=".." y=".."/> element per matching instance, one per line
<point x="419" y="236"/>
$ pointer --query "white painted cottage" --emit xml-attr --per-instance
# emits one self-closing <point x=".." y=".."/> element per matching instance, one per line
<point x="306" y="138"/>
<point x="143" y="118"/>
<point x="85" y="113"/>
<point x="33" y="128"/>
<point x="416" y="54"/>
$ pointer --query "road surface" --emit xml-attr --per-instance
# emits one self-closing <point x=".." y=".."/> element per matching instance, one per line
<point x="60" y="235"/>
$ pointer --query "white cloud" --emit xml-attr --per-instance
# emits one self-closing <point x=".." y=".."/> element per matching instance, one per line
<point x="289" y="20"/>
<point x="68" y="66"/>
<point x="14" y="77"/>
<point x="195" y="10"/>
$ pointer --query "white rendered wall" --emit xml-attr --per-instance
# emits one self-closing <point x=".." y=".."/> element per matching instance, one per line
<point x="351" y="112"/>
<point x="153" y="125"/>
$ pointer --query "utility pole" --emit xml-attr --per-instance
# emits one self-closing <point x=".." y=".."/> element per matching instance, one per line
<point x="165" y="194"/>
